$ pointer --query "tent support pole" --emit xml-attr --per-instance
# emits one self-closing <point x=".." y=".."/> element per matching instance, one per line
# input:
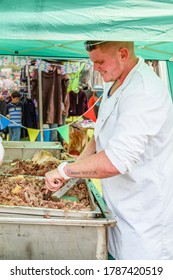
<point x="28" y="79"/>
<point x="40" y="105"/>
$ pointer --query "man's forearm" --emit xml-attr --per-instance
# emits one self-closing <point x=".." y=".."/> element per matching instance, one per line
<point x="95" y="166"/>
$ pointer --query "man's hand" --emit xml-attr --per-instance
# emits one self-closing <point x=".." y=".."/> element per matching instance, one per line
<point x="51" y="179"/>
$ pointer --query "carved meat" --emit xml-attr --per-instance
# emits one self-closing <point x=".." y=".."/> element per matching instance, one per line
<point x="30" y="191"/>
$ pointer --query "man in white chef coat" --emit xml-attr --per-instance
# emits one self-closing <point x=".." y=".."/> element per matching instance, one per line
<point x="132" y="152"/>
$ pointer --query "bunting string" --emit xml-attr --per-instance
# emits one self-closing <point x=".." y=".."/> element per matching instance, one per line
<point x="66" y="68"/>
<point x="33" y="133"/>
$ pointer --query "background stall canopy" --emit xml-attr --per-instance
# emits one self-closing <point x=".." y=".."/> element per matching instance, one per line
<point x="58" y="29"/>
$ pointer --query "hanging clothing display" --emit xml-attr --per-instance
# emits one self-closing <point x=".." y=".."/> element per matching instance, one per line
<point x="3" y="107"/>
<point x="29" y="113"/>
<point x="78" y="103"/>
<point x="23" y="76"/>
<point x="64" y="83"/>
<point x="51" y="95"/>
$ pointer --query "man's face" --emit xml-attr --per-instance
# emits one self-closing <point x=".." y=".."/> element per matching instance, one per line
<point x="108" y="63"/>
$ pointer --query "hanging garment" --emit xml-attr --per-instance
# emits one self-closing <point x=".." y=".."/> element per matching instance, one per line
<point x="23" y="77"/>
<point x="29" y="113"/>
<point x="64" y="83"/>
<point x="3" y="107"/>
<point x="3" y="111"/>
<point x="65" y="97"/>
<point x="51" y="95"/>
<point x="78" y="103"/>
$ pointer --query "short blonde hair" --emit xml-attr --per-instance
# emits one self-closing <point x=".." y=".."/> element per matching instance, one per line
<point x="118" y="45"/>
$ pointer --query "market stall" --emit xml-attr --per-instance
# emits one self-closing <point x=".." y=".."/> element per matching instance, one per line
<point x="58" y="29"/>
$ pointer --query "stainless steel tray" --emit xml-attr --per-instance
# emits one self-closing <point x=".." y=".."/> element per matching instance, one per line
<point x="31" y="145"/>
<point x="25" y="149"/>
<point x="51" y="212"/>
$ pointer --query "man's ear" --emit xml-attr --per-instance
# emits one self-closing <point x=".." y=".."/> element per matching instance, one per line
<point x="124" y="53"/>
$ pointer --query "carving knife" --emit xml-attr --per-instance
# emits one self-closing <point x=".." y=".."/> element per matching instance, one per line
<point x="64" y="189"/>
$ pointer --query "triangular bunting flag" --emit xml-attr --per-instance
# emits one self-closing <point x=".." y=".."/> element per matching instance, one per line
<point x="90" y="114"/>
<point x="64" y="131"/>
<point x="46" y="135"/>
<point x="33" y="133"/>
<point x="4" y="122"/>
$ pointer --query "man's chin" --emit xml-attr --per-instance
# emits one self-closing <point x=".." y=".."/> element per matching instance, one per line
<point x="106" y="80"/>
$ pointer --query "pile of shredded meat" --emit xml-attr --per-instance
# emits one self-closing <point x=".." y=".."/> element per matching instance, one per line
<point x="28" y="167"/>
<point x="41" y="162"/>
<point x="30" y="191"/>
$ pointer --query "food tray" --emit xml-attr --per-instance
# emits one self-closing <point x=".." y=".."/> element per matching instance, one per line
<point x="26" y="149"/>
<point x="51" y="212"/>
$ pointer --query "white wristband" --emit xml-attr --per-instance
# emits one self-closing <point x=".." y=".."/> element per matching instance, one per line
<point x="61" y="170"/>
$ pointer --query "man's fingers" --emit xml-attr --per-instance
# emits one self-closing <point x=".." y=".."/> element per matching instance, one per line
<point x="52" y="186"/>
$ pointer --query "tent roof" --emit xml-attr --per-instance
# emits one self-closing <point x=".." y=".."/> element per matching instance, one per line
<point x="59" y="28"/>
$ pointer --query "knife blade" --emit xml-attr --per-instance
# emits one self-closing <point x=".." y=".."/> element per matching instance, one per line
<point x="65" y="188"/>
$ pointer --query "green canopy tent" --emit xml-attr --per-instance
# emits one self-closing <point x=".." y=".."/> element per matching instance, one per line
<point x="57" y="29"/>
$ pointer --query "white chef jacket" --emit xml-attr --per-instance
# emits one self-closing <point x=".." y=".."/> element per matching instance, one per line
<point x="135" y="128"/>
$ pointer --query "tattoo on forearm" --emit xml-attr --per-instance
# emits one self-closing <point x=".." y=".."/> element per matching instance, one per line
<point x="69" y="172"/>
<point x="82" y="173"/>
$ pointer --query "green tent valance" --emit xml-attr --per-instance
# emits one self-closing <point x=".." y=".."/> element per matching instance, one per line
<point x="59" y="28"/>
